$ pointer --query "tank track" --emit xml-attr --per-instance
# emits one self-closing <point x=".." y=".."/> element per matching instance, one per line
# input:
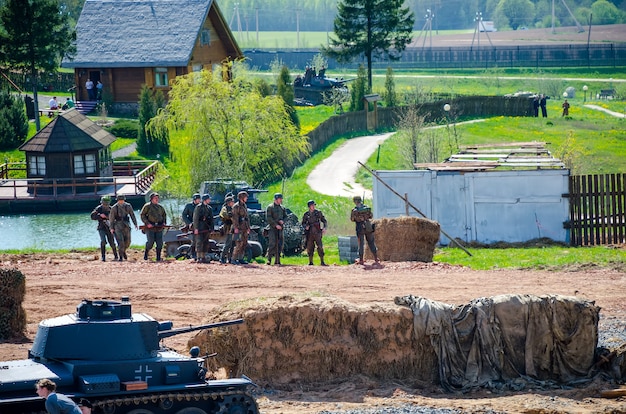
<point x="236" y="401"/>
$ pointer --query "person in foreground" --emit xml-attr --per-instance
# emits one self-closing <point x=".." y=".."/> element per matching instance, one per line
<point x="314" y="224"/>
<point x="55" y="403"/>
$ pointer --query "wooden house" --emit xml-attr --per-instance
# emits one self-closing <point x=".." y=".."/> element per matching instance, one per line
<point x="126" y="44"/>
<point x="71" y="147"/>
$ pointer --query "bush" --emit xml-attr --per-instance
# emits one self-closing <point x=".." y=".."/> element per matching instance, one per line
<point x="124" y="128"/>
<point x="13" y="122"/>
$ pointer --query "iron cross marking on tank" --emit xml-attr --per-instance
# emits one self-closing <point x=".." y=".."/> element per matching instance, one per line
<point x="141" y="371"/>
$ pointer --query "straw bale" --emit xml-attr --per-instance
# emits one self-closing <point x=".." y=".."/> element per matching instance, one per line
<point x="403" y="239"/>
<point x="12" y="292"/>
<point x="316" y="339"/>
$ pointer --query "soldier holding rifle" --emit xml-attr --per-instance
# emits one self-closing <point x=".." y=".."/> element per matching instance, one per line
<point x="202" y="226"/>
<point x="154" y="218"/>
<point x="101" y="213"/>
<point x="362" y="216"/>
<point x="241" y="227"/>
<point x="120" y="216"/>
<point x="187" y="216"/>
<point x="312" y="222"/>
<point x="226" y="215"/>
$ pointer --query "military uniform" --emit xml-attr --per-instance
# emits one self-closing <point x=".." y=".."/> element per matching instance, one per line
<point x="226" y="215"/>
<point x="121" y="215"/>
<point x="203" y="223"/>
<point x="276" y="216"/>
<point x="241" y="230"/>
<point x="360" y="215"/>
<point x="104" y="229"/>
<point x="312" y="223"/>
<point x="154" y="218"/>
<point x="187" y="217"/>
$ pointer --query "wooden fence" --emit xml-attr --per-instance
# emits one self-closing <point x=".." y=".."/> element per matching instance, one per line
<point x="597" y="209"/>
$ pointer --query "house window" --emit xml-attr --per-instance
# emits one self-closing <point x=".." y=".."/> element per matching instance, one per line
<point x="37" y="165"/>
<point x="205" y="37"/>
<point x="160" y="77"/>
<point x="197" y="67"/>
<point x="84" y="164"/>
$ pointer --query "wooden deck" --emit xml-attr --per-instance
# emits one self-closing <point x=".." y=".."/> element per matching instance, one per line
<point x="131" y="178"/>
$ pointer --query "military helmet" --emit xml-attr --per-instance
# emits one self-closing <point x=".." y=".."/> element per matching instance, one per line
<point x="121" y="197"/>
<point x="196" y="196"/>
<point x="242" y="194"/>
<point x="206" y="197"/>
<point x="357" y="199"/>
<point x="278" y="195"/>
<point x="229" y="199"/>
<point x="154" y="195"/>
<point x="310" y="203"/>
<point x="105" y="199"/>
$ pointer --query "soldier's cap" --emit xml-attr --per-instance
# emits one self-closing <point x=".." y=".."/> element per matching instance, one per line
<point x="357" y="198"/>
<point x="154" y="195"/>
<point x="196" y="196"/>
<point x="311" y="203"/>
<point x="121" y="197"/>
<point x="84" y="402"/>
<point x="278" y="195"/>
<point x="105" y="199"/>
<point x="229" y="199"/>
<point x="242" y="194"/>
<point x="229" y="194"/>
<point x="206" y="197"/>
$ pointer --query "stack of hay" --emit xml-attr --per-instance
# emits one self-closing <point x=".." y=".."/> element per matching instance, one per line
<point x="405" y="239"/>
<point x="12" y="315"/>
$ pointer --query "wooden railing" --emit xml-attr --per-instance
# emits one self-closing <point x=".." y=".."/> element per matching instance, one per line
<point x="5" y="169"/>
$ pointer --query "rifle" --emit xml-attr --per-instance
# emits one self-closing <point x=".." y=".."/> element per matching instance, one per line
<point x="155" y="227"/>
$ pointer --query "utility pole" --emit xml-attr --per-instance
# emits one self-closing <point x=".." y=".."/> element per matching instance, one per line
<point x="479" y="22"/>
<point x="427" y="29"/>
<point x="257" y="25"/>
<point x="297" y="28"/>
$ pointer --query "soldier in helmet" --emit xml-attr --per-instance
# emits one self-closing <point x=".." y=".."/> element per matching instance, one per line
<point x="361" y="215"/>
<point x="276" y="216"/>
<point x="101" y="213"/>
<point x="121" y="215"/>
<point x="226" y="215"/>
<point x="314" y="224"/>
<point x="188" y="219"/>
<point x="241" y="227"/>
<point x="154" y="218"/>
<point x="202" y="227"/>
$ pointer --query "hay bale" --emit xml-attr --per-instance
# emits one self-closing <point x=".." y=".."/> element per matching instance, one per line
<point x="405" y="239"/>
<point x="12" y="292"/>
<point x="289" y="340"/>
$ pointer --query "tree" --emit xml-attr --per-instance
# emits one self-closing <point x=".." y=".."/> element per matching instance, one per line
<point x="358" y="90"/>
<point x="370" y="28"/>
<point x="151" y="141"/>
<point x="516" y="12"/>
<point x="13" y="122"/>
<point x="36" y="36"/>
<point x="226" y="129"/>
<point x="390" y="97"/>
<point x="605" y="12"/>
<point x="284" y="88"/>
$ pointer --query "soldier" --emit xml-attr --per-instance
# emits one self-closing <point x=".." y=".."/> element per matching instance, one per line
<point x="154" y="218"/>
<point x="312" y="223"/>
<point x="226" y="215"/>
<point x="241" y="227"/>
<point x="202" y="226"/>
<point x="276" y="216"/>
<point x="361" y="215"/>
<point x="55" y="403"/>
<point x="188" y="220"/>
<point x="101" y="213"/>
<point x="121" y="215"/>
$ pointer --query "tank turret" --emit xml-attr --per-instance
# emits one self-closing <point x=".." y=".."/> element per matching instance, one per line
<point x="111" y="356"/>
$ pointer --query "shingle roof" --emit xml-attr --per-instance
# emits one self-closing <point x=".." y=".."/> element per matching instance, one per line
<point x="71" y="131"/>
<point x="137" y="33"/>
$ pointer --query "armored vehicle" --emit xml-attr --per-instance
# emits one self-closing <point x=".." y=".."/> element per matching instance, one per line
<point x="313" y="91"/>
<point x="115" y="359"/>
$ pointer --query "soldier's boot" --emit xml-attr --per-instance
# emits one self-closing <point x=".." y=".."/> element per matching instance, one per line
<point x="269" y="260"/>
<point x="322" y="261"/>
<point x="360" y="260"/>
<point x="158" y="255"/>
<point x="311" y="260"/>
<point x="103" y="252"/>
<point x="277" y="261"/>
<point x="145" y="254"/>
<point x="122" y="255"/>
<point x="376" y="259"/>
<point x="114" y="252"/>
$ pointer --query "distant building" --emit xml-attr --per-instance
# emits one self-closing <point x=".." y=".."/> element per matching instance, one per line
<point x="126" y="44"/>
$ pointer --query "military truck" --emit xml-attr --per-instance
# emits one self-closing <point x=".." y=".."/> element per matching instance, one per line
<point x="116" y="359"/>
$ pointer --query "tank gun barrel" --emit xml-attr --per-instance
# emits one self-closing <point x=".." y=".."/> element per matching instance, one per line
<point x="177" y="331"/>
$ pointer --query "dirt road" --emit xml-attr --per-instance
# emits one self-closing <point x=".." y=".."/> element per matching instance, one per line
<point x="186" y="293"/>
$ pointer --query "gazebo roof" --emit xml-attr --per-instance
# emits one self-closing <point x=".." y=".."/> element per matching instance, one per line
<point x="69" y="132"/>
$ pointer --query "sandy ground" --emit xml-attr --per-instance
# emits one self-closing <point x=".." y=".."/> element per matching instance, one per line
<point x="187" y="293"/>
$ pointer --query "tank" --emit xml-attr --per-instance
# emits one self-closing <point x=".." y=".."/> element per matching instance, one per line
<point x="312" y="91"/>
<point x="115" y="359"/>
